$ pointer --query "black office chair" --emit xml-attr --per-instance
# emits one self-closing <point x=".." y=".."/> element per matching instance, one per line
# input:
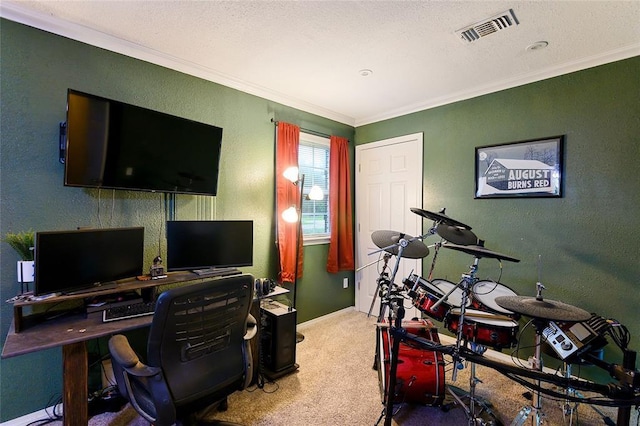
<point x="198" y="352"/>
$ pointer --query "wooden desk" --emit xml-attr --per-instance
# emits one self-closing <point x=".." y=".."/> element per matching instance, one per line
<point x="20" y="319"/>
<point x="72" y="332"/>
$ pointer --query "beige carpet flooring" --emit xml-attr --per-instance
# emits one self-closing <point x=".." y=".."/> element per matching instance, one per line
<point x="336" y="385"/>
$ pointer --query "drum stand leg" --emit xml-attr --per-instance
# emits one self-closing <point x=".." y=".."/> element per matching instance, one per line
<point x="465" y="284"/>
<point x="395" y="336"/>
<point x="568" y="409"/>
<point x="476" y="406"/>
<point x="396" y="314"/>
<point x="536" y="407"/>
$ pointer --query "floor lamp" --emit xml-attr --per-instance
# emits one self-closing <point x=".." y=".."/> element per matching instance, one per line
<point x="294" y="215"/>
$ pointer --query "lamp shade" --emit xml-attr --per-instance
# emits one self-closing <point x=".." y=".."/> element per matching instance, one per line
<point x="291" y="173"/>
<point x="316" y="193"/>
<point x="290" y="215"/>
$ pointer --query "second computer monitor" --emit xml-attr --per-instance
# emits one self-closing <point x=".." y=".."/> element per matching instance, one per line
<point x="203" y="244"/>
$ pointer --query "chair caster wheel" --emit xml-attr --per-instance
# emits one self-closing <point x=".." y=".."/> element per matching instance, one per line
<point x="224" y="405"/>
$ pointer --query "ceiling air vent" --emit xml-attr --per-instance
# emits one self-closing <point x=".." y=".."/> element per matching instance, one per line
<point x="488" y="26"/>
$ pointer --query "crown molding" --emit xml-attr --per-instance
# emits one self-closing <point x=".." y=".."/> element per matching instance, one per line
<point x="15" y="12"/>
<point x="566" y="68"/>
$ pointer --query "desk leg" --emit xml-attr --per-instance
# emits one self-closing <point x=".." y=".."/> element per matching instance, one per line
<point x="75" y="382"/>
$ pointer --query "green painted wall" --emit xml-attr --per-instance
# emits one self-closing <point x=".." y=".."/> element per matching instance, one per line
<point x="36" y="70"/>
<point x="589" y="240"/>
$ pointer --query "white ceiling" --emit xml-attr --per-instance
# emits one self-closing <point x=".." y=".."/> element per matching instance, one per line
<point x="309" y="54"/>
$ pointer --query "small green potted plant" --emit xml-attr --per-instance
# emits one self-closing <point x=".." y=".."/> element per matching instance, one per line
<point x="22" y="243"/>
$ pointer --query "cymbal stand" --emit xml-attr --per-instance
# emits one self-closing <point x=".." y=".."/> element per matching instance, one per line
<point x="472" y="412"/>
<point x="382" y="280"/>
<point x="536" y="406"/>
<point x="465" y="284"/>
<point x="432" y="231"/>
<point x="569" y="408"/>
<point x="433" y="261"/>
<point x="402" y="244"/>
<point x="395" y="334"/>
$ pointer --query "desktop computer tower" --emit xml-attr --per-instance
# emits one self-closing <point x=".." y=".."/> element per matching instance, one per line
<point x="277" y="338"/>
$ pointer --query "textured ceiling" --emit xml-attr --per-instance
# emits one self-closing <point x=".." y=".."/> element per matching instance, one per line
<point x="309" y="54"/>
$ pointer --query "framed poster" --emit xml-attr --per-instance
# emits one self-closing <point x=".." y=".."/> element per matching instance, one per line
<point x="532" y="168"/>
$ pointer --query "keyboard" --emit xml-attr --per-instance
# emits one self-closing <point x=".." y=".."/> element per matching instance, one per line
<point x="132" y="310"/>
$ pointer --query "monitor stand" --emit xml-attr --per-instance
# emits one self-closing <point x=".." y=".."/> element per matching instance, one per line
<point x="94" y="287"/>
<point x="216" y="272"/>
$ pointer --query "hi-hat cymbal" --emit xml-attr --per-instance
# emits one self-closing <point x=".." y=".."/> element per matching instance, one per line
<point x="390" y="242"/>
<point x="456" y="234"/>
<point x="438" y="217"/>
<point x="480" y="252"/>
<point x="546" y="309"/>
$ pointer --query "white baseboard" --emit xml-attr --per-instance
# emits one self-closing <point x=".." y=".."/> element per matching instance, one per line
<point x="32" y="417"/>
<point x="325" y="317"/>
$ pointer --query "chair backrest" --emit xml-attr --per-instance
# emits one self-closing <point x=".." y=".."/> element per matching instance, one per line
<point x="197" y="337"/>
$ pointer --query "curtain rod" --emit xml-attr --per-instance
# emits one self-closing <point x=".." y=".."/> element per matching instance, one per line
<point x="313" y="132"/>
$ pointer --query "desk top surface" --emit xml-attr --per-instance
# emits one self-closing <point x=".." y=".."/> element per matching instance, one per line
<point x="121" y="285"/>
<point x="65" y="330"/>
<point x="73" y="328"/>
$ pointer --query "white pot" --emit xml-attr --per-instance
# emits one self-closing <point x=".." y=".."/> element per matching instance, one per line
<point x="26" y="271"/>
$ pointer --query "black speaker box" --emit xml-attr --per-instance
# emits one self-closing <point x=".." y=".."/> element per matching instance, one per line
<point x="278" y="337"/>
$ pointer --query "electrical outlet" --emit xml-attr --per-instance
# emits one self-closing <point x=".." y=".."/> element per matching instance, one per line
<point x="345" y="283"/>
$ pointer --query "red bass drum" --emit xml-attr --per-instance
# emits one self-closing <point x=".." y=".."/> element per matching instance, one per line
<point x="420" y="374"/>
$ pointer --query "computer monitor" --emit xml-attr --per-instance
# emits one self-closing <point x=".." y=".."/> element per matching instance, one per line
<point x="82" y="260"/>
<point x="209" y="244"/>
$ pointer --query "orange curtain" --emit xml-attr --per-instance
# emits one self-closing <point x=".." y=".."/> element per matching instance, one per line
<point x="287" y="195"/>
<point x="341" y="254"/>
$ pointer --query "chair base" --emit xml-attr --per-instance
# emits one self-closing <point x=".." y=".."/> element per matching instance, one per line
<point x="201" y="418"/>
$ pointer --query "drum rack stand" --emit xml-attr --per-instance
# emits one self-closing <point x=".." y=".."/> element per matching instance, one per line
<point x="458" y="394"/>
<point x="476" y="416"/>
<point x="536" y="408"/>
<point x="569" y="408"/>
<point x="396" y="334"/>
<point x="396" y="330"/>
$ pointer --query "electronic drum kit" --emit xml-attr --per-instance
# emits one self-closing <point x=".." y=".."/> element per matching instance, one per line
<point x="480" y="313"/>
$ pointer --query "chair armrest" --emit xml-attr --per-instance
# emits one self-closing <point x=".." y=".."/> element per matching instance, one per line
<point x="122" y="353"/>
<point x="252" y="327"/>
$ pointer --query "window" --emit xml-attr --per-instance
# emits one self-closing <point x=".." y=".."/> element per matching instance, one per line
<point x="313" y="162"/>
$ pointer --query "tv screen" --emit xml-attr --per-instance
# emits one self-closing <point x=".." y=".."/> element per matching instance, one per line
<point x="111" y="144"/>
<point x="204" y="244"/>
<point x="73" y="261"/>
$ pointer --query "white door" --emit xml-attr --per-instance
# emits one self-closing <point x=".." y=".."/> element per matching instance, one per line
<point x="388" y="184"/>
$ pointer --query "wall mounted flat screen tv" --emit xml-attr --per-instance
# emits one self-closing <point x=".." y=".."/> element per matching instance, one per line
<point x="209" y="244"/>
<point x="114" y="145"/>
<point x="83" y="260"/>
